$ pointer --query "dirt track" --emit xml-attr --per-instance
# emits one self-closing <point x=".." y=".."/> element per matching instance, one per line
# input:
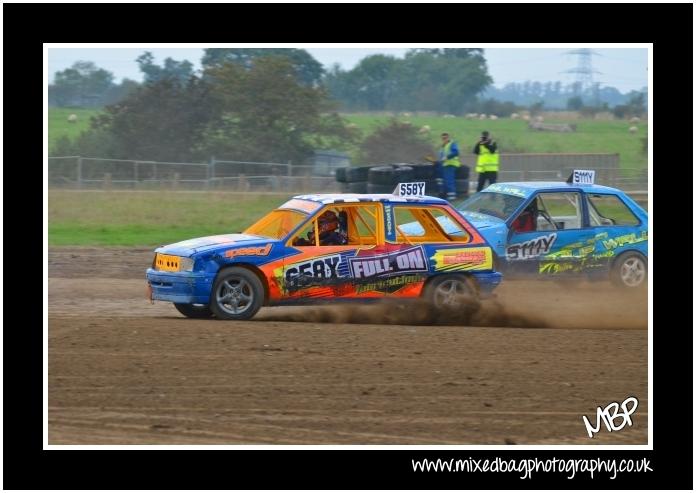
<point x="122" y="371"/>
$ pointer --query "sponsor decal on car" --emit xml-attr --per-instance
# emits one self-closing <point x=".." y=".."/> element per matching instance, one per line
<point x="401" y="261"/>
<point x="250" y="251"/>
<point x="325" y="270"/>
<point x="532" y="248"/>
<point x="388" y="285"/>
<point x="455" y="259"/>
<point x="315" y="269"/>
<point x="629" y="239"/>
<point x="388" y="221"/>
<point x="506" y="189"/>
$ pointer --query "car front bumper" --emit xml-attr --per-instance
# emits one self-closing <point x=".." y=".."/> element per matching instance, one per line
<point x="179" y="287"/>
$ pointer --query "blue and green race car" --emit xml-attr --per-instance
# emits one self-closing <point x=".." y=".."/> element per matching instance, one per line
<point x="561" y="230"/>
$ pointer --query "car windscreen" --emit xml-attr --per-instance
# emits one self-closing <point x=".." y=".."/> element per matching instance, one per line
<point x="276" y="224"/>
<point x="498" y="205"/>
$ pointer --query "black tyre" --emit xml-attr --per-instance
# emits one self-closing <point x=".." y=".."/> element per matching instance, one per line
<point x="353" y="187"/>
<point x="381" y="175"/>
<point x="356" y="173"/>
<point x="423" y="172"/>
<point x="237" y="294"/>
<point x="373" y="188"/>
<point x="403" y="174"/>
<point x="451" y="292"/>
<point x="462" y="187"/>
<point x="462" y="172"/>
<point x="357" y="187"/>
<point x="431" y="188"/>
<point x="194" y="311"/>
<point x="629" y="270"/>
<point x="341" y="175"/>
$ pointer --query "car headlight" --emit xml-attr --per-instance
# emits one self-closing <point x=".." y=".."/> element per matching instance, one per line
<point x="186" y="264"/>
<point x="172" y="263"/>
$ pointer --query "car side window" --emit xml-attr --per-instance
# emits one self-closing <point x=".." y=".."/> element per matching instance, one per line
<point x="558" y="210"/>
<point x="362" y="223"/>
<point x="610" y="210"/>
<point x="423" y="224"/>
<point x="305" y="236"/>
<point x="340" y="225"/>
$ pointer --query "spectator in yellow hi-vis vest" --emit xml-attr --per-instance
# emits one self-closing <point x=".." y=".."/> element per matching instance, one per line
<point x="446" y="167"/>
<point x="488" y="161"/>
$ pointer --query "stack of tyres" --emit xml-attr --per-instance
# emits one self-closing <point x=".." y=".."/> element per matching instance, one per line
<point x="380" y="179"/>
<point x="426" y="173"/>
<point x="462" y="181"/>
<point x="353" y="179"/>
<point x="404" y="174"/>
<point x="383" y="179"/>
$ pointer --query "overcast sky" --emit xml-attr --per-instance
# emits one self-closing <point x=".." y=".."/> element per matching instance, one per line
<point x="623" y="68"/>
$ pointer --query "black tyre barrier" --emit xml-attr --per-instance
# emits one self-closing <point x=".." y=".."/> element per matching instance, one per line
<point x="462" y="172"/>
<point x="381" y="175"/>
<point x="403" y="174"/>
<point x="377" y="188"/>
<point x="356" y="173"/>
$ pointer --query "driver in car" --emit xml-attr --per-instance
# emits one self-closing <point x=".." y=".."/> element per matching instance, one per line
<point x="329" y="232"/>
<point x="526" y="221"/>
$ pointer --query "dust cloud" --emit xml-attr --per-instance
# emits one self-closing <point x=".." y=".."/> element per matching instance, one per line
<point x="517" y="304"/>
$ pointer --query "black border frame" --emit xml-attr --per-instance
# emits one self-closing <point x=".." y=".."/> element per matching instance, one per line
<point x="27" y="26"/>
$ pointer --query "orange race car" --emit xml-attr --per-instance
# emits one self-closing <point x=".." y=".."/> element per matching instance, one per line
<point x="330" y="248"/>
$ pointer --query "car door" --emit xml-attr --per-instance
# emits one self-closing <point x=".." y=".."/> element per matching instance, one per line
<point x="615" y="229"/>
<point x="557" y="242"/>
<point x="325" y="271"/>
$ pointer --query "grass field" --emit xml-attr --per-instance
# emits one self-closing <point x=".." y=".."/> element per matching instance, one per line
<point x="512" y="135"/>
<point x="59" y="126"/>
<point x="149" y="218"/>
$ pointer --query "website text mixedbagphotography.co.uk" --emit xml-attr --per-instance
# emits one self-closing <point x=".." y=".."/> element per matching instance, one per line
<point x="527" y="467"/>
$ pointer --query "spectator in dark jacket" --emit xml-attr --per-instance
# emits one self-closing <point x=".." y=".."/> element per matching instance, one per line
<point x="488" y="161"/>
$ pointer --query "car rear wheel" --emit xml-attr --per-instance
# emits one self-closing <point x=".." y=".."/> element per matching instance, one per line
<point x="237" y="294"/>
<point x="630" y="270"/>
<point x="451" y="292"/>
<point x="193" y="311"/>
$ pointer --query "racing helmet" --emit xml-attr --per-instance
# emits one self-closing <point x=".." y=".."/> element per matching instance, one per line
<point x="328" y="222"/>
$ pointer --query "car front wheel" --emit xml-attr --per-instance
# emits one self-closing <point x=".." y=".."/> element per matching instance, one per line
<point x="237" y="294"/>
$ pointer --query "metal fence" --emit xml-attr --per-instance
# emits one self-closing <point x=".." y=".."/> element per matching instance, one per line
<point x="84" y="173"/>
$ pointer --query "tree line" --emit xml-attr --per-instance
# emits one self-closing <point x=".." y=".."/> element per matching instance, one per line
<point x="265" y="108"/>
<point x="450" y="80"/>
<point x="558" y="96"/>
<point x="270" y="105"/>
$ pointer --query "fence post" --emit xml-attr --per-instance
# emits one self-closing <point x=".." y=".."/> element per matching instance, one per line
<point x="135" y="174"/>
<point x="107" y="181"/>
<point x="288" y="185"/>
<point x="242" y="184"/>
<point x="211" y="170"/>
<point x="79" y="172"/>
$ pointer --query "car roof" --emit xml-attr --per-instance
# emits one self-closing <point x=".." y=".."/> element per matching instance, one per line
<point x="337" y="198"/>
<point x="527" y="188"/>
